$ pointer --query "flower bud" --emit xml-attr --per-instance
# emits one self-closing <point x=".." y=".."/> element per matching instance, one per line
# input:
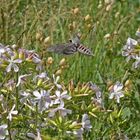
<point x="39" y="82"/>
<point x="99" y="6"/>
<point x="89" y="26"/>
<point x="71" y="85"/>
<point x="14" y="46"/>
<point x="128" y="85"/>
<point x="74" y="24"/>
<point x="108" y="7"/>
<point x="21" y="54"/>
<point x="62" y="62"/>
<point x="110" y="88"/>
<point x="47" y="40"/>
<point x="38" y="35"/>
<point x="87" y="17"/>
<point x="50" y="60"/>
<point x="58" y="72"/>
<point x="107" y="36"/>
<point x="107" y="1"/>
<point x="70" y="26"/>
<point x="117" y="14"/>
<point x="76" y="11"/>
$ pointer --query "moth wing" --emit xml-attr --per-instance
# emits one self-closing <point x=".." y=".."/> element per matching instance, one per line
<point x="67" y="48"/>
<point x="58" y="48"/>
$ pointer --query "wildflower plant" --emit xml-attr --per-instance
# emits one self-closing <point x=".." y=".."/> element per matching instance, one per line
<point x="39" y="93"/>
<point x="47" y="104"/>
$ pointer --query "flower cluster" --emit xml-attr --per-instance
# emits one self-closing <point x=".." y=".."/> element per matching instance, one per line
<point x="12" y="56"/>
<point x="51" y="100"/>
<point x="131" y="50"/>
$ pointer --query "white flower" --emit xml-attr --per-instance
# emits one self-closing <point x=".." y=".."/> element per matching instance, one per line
<point x="98" y="99"/>
<point x="43" y="99"/>
<point x="131" y="43"/>
<point x="79" y="133"/>
<point x="56" y="79"/>
<point x="117" y="92"/>
<point x="12" y="64"/>
<point x="25" y="95"/>
<point x="128" y="49"/>
<point x="12" y="112"/>
<point x="86" y="124"/>
<point x="2" y="49"/>
<point x="1" y="97"/>
<point x="60" y="96"/>
<point x="62" y="111"/>
<point x="42" y="75"/>
<point x="33" y="136"/>
<point x="21" y="79"/>
<point x="136" y="64"/>
<point x="3" y="131"/>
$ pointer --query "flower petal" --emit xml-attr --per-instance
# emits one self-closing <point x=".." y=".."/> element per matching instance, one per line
<point x="8" y="69"/>
<point x="57" y="92"/>
<point x="17" y="61"/>
<point x="57" y="79"/>
<point x="16" y="68"/>
<point x="131" y="42"/>
<point x="4" y="126"/>
<point x="37" y="94"/>
<point x="14" y="112"/>
<point x="111" y="95"/>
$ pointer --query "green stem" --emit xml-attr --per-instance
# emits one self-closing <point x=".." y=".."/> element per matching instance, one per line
<point x="8" y="121"/>
<point x="36" y="116"/>
<point x="17" y="96"/>
<point x="9" y="132"/>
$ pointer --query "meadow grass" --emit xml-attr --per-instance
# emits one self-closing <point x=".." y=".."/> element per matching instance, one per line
<point x="105" y="27"/>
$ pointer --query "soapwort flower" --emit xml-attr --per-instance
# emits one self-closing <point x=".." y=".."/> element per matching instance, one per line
<point x="60" y="96"/>
<point x="42" y="99"/>
<point x="13" y="64"/>
<point x="86" y="124"/>
<point x="128" y="49"/>
<point x="3" y="131"/>
<point x="117" y="92"/>
<point x="12" y="112"/>
<point x="62" y="111"/>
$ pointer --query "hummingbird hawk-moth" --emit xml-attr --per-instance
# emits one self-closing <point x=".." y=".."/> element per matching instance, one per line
<point x="70" y="47"/>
